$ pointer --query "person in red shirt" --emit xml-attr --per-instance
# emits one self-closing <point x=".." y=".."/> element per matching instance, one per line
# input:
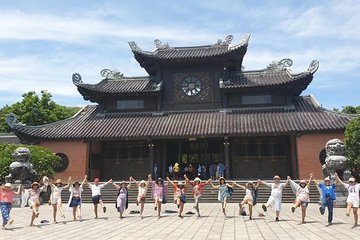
<point x="6" y="198"/>
<point x="197" y="191"/>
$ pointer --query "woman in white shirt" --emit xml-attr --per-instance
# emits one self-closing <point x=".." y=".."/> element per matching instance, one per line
<point x="75" y="198"/>
<point x="142" y="189"/>
<point x="55" y="197"/>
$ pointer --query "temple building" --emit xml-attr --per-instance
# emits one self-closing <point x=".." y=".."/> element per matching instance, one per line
<point x="197" y="105"/>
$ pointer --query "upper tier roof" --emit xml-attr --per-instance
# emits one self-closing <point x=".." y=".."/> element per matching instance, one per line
<point x="276" y="74"/>
<point x="115" y="83"/>
<point x="166" y="54"/>
<point x="303" y="115"/>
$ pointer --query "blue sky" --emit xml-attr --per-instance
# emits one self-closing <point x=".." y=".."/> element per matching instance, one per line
<point x="42" y="43"/>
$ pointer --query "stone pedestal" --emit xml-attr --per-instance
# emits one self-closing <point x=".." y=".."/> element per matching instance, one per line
<point x="341" y="195"/>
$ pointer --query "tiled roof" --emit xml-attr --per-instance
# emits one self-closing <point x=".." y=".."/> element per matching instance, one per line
<point x="165" y="52"/>
<point x="303" y="116"/>
<point x="264" y="78"/>
<point x="123" y="85"/>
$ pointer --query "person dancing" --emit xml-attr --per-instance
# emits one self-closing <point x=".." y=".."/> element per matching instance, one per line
<point x="55" y="197"/>
<point x="250" y="196"/>
<point x="142" y="189"/>
<point x="302" y="191"/>
<point x="96" y="195"/>
<point x="224" y="193"/>
<point x="75" y="198"/>
<point x="122" y="201"/>
<point x="197" y="191"/>
<point x="6" y="199"/>
<point x="353" y="197"/>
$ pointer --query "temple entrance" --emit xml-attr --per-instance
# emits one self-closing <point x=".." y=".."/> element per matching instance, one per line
<point x="191" y="153"/>
<point x="125" y="159"/>
<point x="261" y="157"/>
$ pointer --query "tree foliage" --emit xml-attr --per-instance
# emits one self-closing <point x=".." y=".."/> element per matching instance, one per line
<point x="34" y="110"/>
<point x="352" y="143"/>
<point x="43" y="160"/>
<point x="351" y="110"/>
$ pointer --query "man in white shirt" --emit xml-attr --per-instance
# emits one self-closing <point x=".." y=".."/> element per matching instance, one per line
<point x="276" y="195"/>
<point x="96" y="195"/>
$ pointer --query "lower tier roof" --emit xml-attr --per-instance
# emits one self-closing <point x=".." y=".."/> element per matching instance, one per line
<point x="304" y="115"/>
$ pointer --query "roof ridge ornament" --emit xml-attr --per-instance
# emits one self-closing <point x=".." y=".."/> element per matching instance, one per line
<point x="111" y="74"/>
<point x="227" y="41"/>
<point x="76" y="78"/>
<point x="280" y="65"/>
<point x="159" y="45"/>
<point x="313" y="67"/>
<point x="134" y="46"/>
<point x="12" y="120"/>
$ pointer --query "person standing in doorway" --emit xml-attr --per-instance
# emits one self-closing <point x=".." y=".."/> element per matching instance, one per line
<point x="212" y="171"/>
<point x="276" y="195"/>
<point x="176" y="170"/>
<point x="171" y="171"/>
<point x="96" y="195"/>
<point x="353" y="197"/>
<point x="327" y="197"/>
<point x="221" y="170"/>
<point x="155" y="170"/>
<point x="6" y="199"/>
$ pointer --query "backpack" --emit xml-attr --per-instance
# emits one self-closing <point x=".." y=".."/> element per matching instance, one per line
<point x="254" y="194"/>
<point x="231" y="191"/>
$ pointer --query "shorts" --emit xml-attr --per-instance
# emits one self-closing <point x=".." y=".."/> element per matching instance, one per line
<point x="35" y="202"/>
<point x="55" y="201"/>
<point x="141" y="199"/>
<point x="247" y="201"/>
<point x="96" y="199"/>
<point x="75" y="201"/>
<point x="274" y="202"/>
<point x="354" y="202"/>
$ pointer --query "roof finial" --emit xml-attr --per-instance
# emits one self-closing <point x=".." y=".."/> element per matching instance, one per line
<point x="12" y="120"/>
<point x="281" y="65"/>
<point x="111" y="74"/>
<point x="157" y="43"/>
<point x="76" y="78"/>
<point x="228" y="39"/>
<point x="314" y="66"/>
<point x="134" y="46"/>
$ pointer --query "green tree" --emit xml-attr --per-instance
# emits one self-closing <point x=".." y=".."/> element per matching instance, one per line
<point x="351" y="110"/>
<point x="34" y="110"/>
<point x="43" y="160"/>
<point x="352" y="143"/>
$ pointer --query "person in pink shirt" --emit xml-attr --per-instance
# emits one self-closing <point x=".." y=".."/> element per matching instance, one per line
<point x="6" y="198"/>
<point x="197" y="191"/>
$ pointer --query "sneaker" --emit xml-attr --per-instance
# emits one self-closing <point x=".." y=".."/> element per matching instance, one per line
<point x="264" y="207"/>
<point x="322" y="211"/>
<point x="277" y="219"/>
<point x="293" y="209"/>
<point x="155" y="208"/>
<point x="348" y="214"/>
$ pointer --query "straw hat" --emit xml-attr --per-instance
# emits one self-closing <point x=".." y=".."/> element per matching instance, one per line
<point x="352" y="179"/>
<point x="8" y="185"/>
<point x="302" y="181"/>
<point x="222" y="179"/>
<point x="276" y="177"/>
<point x="142" y="182"/>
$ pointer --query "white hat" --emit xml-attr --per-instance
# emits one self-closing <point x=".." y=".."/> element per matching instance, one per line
<point x="142" y="182"/>
<point x="327" y="179"/>
<point x="8" y="185"/>
<point x="180" y="183"/>
<point x="197" y="179"/>
<point x="352" y="179"/>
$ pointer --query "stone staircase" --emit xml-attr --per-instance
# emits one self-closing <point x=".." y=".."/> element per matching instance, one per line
<point x="109" y="194"/>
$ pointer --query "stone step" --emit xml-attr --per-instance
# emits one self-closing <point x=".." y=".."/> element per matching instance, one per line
<point x="109" y="194"/>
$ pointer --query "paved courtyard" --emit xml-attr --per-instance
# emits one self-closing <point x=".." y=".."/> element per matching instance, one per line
<point x="211" y="225"/>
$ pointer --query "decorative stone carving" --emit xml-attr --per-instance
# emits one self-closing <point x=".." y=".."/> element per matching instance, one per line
<point x="12" y="120"/>
<point x="134" y="46"/>
<point x="313" y="67"/>
<point x="281" y="65"/>
<point x="76" y="78"/>
<point x="21" y="169"/>
<point x="335" y="161"/>
<point x="111" y="74"/>
<point x="159" y="45"/>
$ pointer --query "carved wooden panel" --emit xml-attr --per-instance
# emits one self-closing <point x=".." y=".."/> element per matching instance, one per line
<point x="183" y="85"/>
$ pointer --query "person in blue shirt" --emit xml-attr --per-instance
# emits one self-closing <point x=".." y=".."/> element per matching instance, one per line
<point x="327" y="191"/>
<point x="221" y="169"/>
